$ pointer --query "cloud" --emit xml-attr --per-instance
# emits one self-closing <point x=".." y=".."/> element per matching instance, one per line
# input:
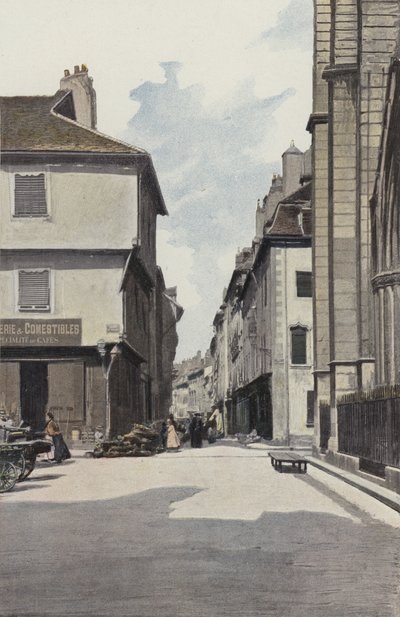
<point x="211" y="173"/>
<point x="292" y="29"/>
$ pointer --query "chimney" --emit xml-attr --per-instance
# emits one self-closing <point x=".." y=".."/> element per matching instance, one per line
<point x="83" y="94"/>
<point x="292" y="167"/>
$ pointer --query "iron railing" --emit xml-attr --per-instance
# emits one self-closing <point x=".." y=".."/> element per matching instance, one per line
<point x="370" y="429"/>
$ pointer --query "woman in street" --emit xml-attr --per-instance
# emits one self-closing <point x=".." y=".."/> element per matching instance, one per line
<point x="52" y="429"/>
<point x="197" y="437"/>
<point x="173" y="443"/>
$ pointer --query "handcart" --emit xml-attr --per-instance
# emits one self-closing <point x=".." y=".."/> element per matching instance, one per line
<point x="18" y="459"/>
<point x="8" y="475"/>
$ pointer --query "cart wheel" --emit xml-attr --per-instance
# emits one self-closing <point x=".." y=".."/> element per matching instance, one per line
<point x="8" y="476"/>
<point x="29" y="467"/>
<point x="20" y="463"/>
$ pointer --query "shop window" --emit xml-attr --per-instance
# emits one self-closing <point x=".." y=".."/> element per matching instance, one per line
<point x="304" y="284"/>
<point x="299" y="345"/>
<point x="30" y="195"/>
<point x="34" y="290"/>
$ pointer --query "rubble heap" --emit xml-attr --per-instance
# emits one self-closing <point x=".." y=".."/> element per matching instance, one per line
<point x="140" y="441"/>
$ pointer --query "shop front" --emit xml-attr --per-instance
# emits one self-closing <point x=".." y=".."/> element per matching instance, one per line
<point x="252" y="408"/>
<point x="44" y="367"/>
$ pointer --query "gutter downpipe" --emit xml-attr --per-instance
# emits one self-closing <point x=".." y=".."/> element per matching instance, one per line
<point x="287" y="348"/>
<point x="106" y="374"/>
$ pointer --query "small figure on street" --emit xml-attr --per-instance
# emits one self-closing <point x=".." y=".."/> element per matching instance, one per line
<point x="196" y="431"/>
<point x="163" y="435"/>
<point x="173" y="421"/>
<point x="212" y="431"/>
<point x="98" y="436"/>
<point x="217" y="416"/>
<point x="52" y="429"/>
<point x="173" y="443"/>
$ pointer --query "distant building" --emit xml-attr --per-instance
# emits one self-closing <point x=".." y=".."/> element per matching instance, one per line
<point x="78" y="275"/>
<point x="262" y="345"/>
<point x="191" y="387"/>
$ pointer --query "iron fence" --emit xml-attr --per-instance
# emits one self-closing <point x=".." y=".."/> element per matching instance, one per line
<point x="370" y="429"/>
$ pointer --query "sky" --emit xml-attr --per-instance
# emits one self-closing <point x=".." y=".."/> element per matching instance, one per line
<point x="214" y="90"/>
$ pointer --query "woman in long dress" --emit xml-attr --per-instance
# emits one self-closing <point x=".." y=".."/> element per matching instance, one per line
<point x="173" y="443"/>
<point x="52" y="429"/>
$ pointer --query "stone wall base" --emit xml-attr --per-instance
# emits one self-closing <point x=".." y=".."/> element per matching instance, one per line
<point x="352" y="465"/>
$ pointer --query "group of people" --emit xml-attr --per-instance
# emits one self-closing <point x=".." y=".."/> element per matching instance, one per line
<point x="213" y="428"/>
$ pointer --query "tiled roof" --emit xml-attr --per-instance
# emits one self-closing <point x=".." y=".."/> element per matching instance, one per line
<point x="292" y="216"/>
<point x="301" y="195"/>
<point x="45" y="123"/>
<point x="290" y="220"/>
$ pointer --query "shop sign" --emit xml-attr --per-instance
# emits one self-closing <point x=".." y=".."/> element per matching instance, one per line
<point x="40" y="332"/>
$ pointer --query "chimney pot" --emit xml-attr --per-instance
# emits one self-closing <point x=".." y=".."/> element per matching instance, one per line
<point x="83" y="94"/>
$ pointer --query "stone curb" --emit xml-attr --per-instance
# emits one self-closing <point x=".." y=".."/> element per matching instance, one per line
<point x="383" y="495"/>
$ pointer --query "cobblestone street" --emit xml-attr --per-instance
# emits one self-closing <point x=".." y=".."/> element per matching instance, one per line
<point x="201" y="533"/>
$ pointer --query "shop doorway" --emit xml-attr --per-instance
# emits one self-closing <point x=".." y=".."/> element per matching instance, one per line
<point x="34" y="393"/>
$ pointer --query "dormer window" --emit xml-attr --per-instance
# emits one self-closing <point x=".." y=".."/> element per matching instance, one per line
<point x="30" y="195"/>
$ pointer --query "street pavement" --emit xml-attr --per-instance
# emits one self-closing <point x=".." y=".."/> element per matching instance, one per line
<point x="215" y="532"/>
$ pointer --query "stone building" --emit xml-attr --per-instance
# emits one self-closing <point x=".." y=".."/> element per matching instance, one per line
<point x="234" y="340"/>
<point x="354" y="44"/>
<point x="277" y="328"/>
<point x="78" y="275"/>
<point x="262" y="345"/>
<point x="192" y="387"/>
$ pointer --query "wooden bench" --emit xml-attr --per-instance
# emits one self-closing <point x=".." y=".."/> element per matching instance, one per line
<point x="280" y="458"/>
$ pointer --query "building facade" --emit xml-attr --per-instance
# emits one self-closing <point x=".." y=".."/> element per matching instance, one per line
<point x="78" y="269"/>
<point x="262" y="347"/>
<point x="192" y="387"/>
<point x="354" y="319"/>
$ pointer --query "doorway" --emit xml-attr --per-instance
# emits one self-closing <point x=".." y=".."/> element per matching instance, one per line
<point x="34" y="391"/>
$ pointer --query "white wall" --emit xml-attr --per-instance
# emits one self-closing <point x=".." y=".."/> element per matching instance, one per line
<point x="82" y="287"/>
<point x="89" y="207"/>
<point x="299" y="311"/>
<point x="290" y="382"/>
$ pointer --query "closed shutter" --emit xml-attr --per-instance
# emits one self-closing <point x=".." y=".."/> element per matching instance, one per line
<point x="299" y="346"/>
<point x="30" y="195"/>
<point x="304" y="284"/>
<point x="34" y="290"/>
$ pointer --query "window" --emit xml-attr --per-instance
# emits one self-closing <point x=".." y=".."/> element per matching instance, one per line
<point x="304" y="284"/>
<point x="34" y="290"/>
<point x="30" y="195"/>
<point x="310" y="407"/>
<point x="299" y="345"/>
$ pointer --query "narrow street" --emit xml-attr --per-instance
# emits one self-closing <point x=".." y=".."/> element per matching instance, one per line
<point x="213" y="532"/>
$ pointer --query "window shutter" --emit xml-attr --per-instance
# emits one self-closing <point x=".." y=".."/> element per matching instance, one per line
<point x="304" y="284"/>
<point x="310" y="407"/>
<point x="30" y="195"/>
<point x="299" y="346"/>
<point x="34" y="290"/>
